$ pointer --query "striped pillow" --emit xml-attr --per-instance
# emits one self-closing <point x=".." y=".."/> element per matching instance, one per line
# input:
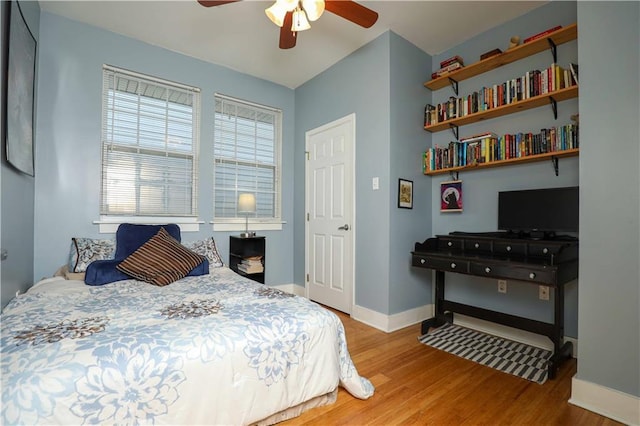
<point x="160" y="261"/>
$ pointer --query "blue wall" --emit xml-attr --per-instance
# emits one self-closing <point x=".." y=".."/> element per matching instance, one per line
<point x="480" y="188"/>
<point x="68" y="132"/>
<point x="610" y="195"/>
<point x="408" y="287"/>
<point x="378" y="83"/>
<point x="18" y="189"/>
<point x="358" y="84"/>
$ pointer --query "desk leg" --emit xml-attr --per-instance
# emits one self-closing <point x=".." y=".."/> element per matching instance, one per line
<point x="440" y="317"/>
<point x="558" y="358"/>
<point x="561" y="351"/>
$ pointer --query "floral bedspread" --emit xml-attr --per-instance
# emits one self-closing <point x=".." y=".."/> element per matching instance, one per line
<point x="214" y="349"/>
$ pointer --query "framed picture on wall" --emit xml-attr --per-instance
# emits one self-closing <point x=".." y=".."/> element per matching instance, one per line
<point x="20" y="92"/>
<point x="451" y="196"/>
<point x="405" y="194"/>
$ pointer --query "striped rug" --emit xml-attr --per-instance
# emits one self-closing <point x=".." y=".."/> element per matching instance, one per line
<point x="504" y="355"/>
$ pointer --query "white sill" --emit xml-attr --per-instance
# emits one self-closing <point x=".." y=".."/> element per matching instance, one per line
<point x="109" y="225"/>
<point x="255" y="226"/>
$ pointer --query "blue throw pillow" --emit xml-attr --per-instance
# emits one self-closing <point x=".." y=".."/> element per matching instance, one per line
<point x="130" y="237"/>
<point x="100" y="272"/>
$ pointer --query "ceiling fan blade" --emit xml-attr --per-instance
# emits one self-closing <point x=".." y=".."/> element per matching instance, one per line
<point x="287" y="37"/>
<point x="211" y="3"/>
<point x="352" y="11"/>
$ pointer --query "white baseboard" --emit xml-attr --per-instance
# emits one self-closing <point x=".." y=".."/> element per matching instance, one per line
<point x="611" y="403"/>
<point x="389" y="323"/>
<point x="511" y="333"/>
<point x="290" y="288"/>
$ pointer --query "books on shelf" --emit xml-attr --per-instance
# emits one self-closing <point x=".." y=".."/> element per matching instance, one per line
<point x="251" y="265"/>
<point x="479" y="137"/>
<point x="446" y="69"/>
<point x="574" y="72"/>
<point x="542" y="34"/>
<point x="451" y="60"/>
<point x="531" y="84"/>
<point x="490" y="54"/>
<point x="489" y="147"/>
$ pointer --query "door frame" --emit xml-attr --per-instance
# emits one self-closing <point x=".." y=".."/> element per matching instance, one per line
<point x="350" y="118"/>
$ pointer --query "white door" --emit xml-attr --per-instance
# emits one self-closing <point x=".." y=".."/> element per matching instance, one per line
<point x="330" y="211"/>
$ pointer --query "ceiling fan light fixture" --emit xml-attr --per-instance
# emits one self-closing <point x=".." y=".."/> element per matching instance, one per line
<point x="313" y="8"/>
<point x="300" y="21"/>
<point x="277" y="12"/>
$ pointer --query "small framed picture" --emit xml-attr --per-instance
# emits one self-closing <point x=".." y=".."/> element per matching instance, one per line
<point x="451" y="196"/>
<point x="405" y="194"/>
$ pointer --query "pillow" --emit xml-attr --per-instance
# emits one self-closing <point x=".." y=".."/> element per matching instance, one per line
<point x="130" y="237"/>
<point x="83" y="251"/>
<point x="103" y="272"/>
<point x="208" y="249"/>
<point x="161" y="260"/>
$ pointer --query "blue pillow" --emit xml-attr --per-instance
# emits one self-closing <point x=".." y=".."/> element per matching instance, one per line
<point x="130" y="237"/>
<point x="100" y="272"/>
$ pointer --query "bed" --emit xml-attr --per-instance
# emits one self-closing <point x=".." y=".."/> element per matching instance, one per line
<point x="208" y="349"/>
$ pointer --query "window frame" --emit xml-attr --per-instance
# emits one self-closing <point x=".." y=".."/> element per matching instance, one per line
<point x="109" y="223"/>
<point x="255" y="223"/>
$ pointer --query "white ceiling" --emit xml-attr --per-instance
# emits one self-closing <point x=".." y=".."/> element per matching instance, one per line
<point x="241" y="37"/>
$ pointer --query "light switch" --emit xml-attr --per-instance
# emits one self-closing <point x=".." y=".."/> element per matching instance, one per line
<point x="375" y="183"/>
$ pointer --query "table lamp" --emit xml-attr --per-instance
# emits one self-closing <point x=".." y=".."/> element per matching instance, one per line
<point x="247" y="205"/>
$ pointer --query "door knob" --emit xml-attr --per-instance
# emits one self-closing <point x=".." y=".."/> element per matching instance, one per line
<point x="344" y="228"/>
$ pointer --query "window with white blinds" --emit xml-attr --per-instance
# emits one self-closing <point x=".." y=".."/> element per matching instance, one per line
<point x="150" y="131"/>
<point x="247" y="156"/>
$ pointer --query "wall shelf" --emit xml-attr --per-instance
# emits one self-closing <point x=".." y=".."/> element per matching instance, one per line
<point x="534" y="102"/>
<point x="510" y="161"/>
<point x="563" y="35"/>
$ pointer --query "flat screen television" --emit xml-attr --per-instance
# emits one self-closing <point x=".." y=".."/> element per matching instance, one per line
<point x="539" y="211"/>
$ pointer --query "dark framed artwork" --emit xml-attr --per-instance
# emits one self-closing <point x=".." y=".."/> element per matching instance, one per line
<point x="405" y="194"/>
<point x="451" y="196"/>
<point x="20" y="92"/>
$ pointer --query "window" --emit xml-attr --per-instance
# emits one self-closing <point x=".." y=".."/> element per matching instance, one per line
<point x="246" y="151"/>
<point x="149" y="147"/>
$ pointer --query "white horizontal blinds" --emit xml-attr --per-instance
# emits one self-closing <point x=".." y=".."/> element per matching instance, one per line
<point x="246" y="156"/>
<point x="149" y="146"/>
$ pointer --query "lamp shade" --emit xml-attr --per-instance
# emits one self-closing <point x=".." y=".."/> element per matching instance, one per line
<point x="246" y="203"/>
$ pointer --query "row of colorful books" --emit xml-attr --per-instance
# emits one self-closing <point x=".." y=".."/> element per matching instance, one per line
<point x="533" y="83"/>
<point x="489" y="147"/>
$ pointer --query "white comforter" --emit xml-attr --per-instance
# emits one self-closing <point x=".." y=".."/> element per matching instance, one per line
<point x="214" y="349"/>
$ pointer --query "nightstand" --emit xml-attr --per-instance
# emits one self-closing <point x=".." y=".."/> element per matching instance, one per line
<point x="247" y="256"/>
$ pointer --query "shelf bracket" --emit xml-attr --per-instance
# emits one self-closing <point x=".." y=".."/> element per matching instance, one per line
<point x="554" y="161"/>
<point x="554" y="107"/>
<point x="454" y="176"/>
<point x="554" y="49"/>
<point x="454" y="129"/>
<point x="454" y="85"/>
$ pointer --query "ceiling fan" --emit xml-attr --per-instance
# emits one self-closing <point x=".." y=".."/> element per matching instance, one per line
<point x="294" y="15"/>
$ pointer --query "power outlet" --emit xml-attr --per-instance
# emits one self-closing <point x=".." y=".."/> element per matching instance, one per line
<point x="502" y="286"/>
<point x="543" y="292"/>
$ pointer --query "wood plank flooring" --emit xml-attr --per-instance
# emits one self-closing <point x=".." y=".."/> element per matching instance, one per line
<point x="419" y="385"/>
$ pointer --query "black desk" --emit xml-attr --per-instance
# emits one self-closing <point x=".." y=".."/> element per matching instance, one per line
<point x="542" y="262"/>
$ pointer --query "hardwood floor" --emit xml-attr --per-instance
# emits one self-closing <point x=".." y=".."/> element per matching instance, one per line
<point x="419" y="385"/>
